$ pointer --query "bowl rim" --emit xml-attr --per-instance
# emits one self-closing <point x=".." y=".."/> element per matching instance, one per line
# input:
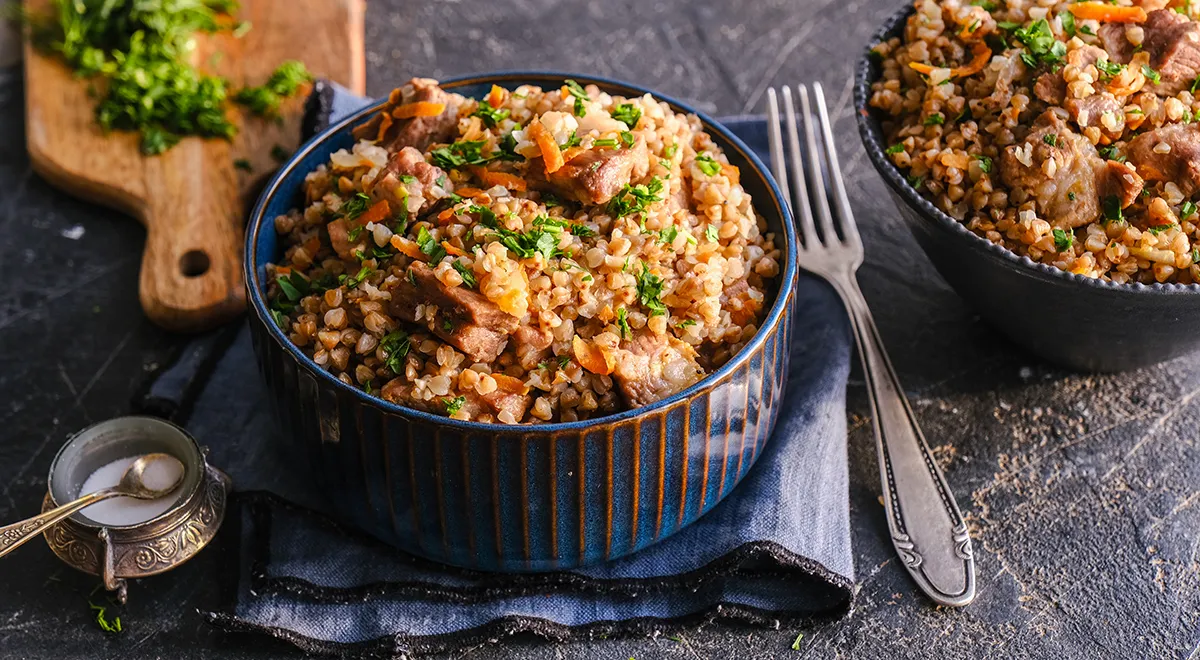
<point x="871" y="134"/>
<point x="771" y="322"/>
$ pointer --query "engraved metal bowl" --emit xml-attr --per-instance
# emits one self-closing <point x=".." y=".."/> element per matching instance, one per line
<point x="120" y="552"/>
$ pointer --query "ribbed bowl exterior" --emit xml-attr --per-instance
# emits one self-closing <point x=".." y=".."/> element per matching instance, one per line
<point x="530" y="497"/>
<point x="519" y="499"/>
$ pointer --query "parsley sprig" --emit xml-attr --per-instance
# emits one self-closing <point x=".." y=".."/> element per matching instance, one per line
<point x="635" y="199"/>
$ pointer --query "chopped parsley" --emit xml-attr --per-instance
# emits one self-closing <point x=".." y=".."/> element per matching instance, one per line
<point x="649" y="289"/>
<point x="464" y="271"/>
<point x="687" y="322"/>
<point x="352" y="282"/>
<point x="668" y="235"/>
<point x="279" y="154"/>
<point x="541" y="239"/>
<point x="1187" y="209"/>
<point x="710" y="232"/>
<point x="1063" y="240"/>
<point x="355" y="206"/>
<point x="936" y="119"/>
<point x="1112" y="153"/>
<point x="628" y="114"/>
<point x="1071" y="196"/>
<point x="1112" y="209"/>
<point x="1051" y="139"/>
<point x="581" y="230"/>
<point x="447" y="325"/>
<point x="1151" y="75"/>
<point x="1195" y="84"/>
<point x="915" y="181"/>
<point x="1158" y="229"/>
<point x="1083" y="29"/>
<point x="635" y="199"/>
<point x="894" y="149"/>
<point x="102" y="620"/>
<point x="550" y="201"/>
<point x="508" y="148"/>
<point x="469" y="152"/>
<point x="1040" y="45"/>
<point x="573" y="140"/>
<point x="1109" y="69"/>
<point x="561" y="361"/>
<point x="987" y="5"/>
<point x="985" y="164"/>
<point x="581" y="97"/>
<point x="669" y="151"/>
<point x="490" y="116"/>
<point x="454" y="405"/>
<point x="429" y="246"/>
<point x="243" y="165"/>
<point x="1068" y="23"/>
<point x="264" y="101"/>
<point x="623" y="323"/>
<point x="1008" y="26"/>
<point x="708" y="165"/>
<point x="605" y="142"/>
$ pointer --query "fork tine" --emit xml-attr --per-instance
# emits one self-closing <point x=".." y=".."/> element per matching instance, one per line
<point x="817" y="179"/>
<point x="775" y="136"/>
<point x="843" y="215"/>
<point x="801" y="209"/>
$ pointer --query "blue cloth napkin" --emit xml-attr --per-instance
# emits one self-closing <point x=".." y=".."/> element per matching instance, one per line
<point x="777" y="547"/>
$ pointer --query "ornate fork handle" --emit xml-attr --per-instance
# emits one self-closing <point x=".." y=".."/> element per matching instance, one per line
<point x="927" y="528"/>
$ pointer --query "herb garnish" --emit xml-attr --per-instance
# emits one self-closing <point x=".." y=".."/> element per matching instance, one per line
<point x="649" y="289"/>
<point x="623" y="323"/>
<point x="1112" y="209"/>
<point x="395" y="346"/>
<point x="1040" y="44"/>
<point x="581" y="97"/>
<point x="352" y="282"/>
<point x="1151" y="75"/>
<point x="1111" y="153"/>
<point x="668" y="235"/>
<point x="264" y="101"/>
<point x="1187" y="209"/>
<point x="627" y="139"/>
<point x="604" y="142"/>
<point x="464" y="271"/>
<point x="936" y="119"/>
<point x="1109" y="69"/>
<point x="635" y="199"/>
<point x="1158" y="229"/>
<point x="1063" y="240"/>
<point x="1068" y="23"/>
<point x="894" y="149"/>
<point x="710" y="232"/>
<point x="102" y="620"/>
<point x="468" y="152"/>
<point x="491" y="116"/>
<point x="985" y="164"/>
<point x="429" y="246"/>
<point x="243" y="165"/>
<point x="707" y="164"/>
<point x="1050" y="139"/>
<point x="454" y="405"/>
<point x="628" y="114"/>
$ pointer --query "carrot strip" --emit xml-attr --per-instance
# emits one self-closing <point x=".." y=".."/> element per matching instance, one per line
<point x="418" y="109"/>
<point x="551" y="154"/>
<point x="384" y="124"/>
<point x="451" y="249"/>
<point x="407" y="247"/>
<point x="571" y="153"/>
<point x="378" y="212"/>
<point x="445" y="216"/>
<point x="982" y="55"/>
<point x="468" y="192"/>
<point x="1106" y="13"/>
<point x="495" y="98"/>
<point x="592" y="357"/>
<point x="282" y="270"/>
<point x="509" y="384"/>
<point x="510" y="181"/>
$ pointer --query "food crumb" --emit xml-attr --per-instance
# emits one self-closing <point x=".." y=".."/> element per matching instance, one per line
<point x="74" y="232"/>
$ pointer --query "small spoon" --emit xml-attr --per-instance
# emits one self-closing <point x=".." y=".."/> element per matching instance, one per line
<point x="132" y="485"/>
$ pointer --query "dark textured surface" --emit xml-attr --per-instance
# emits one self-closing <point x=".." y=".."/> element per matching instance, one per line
<point x="1083" y="492"/>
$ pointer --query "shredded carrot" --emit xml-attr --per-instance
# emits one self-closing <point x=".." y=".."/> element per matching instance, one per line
<point x="384" y="124"/>
<point x="551" y="154"/>
<point x="378" y="212"/>
<point x="282" y="270"/>
<point x="418" y="109"/>
<point x="960" y="161"/>
<point x="469" y="192"/>
<point x="490" y="178"/>
<point x="1106" y="13"/>
<point x="571" y="153"/>
<point x="592" y="357"/>
<point x="407" y="247"/>
<point x="496" y="97"/>
<point x="509" y="384"/>
<point x="445" y="216"/>
<point x="451" y="249"/>
<point x="982" y="55"/>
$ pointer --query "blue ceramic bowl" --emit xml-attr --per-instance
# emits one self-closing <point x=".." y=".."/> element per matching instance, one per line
<point x="535" y="497"/>
<point x="1071" y="320"/>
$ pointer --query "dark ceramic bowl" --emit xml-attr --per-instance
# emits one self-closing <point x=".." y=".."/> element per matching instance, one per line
<point x="1068" y="319"/>
<point x="535" y="497"/>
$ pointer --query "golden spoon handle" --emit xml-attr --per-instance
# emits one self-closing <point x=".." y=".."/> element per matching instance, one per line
<point x="16" y="534"/>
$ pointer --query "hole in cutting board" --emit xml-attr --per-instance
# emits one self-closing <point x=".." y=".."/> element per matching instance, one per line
<point x="194" y="263"/>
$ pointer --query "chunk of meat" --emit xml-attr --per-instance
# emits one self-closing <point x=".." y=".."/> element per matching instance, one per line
<point x="531" y="344"/>
<point x="407" y="180"/>
<point x="596" y="175"/>
<point x="1120" y="180"/>
<point x="339" y="238"/>
<point x="1066" y="192"/>
<point x="1169" y="153"/>
<point x="475" y="405"/>
<point x="1091" y="111"/>
<point x="1173" y="43"/>
<point x="1051" y="88"/>
<point x="465" y="319"/>
<point x="652" y="367"/>
<point x="417" y="132"/>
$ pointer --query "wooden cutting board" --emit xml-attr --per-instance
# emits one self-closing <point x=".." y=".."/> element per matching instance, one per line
<point x="192" y="200"/>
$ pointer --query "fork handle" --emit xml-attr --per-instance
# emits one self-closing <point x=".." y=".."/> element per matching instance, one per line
<point x="927" y="528"/>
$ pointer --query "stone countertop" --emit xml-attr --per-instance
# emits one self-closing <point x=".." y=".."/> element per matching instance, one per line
<point x="1083" y="492"/>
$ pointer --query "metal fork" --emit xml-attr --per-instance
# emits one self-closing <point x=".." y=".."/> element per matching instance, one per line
<point x="926" y="526"/>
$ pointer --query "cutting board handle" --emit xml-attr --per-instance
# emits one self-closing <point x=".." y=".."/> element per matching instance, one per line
<point x="191" y="275"/>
